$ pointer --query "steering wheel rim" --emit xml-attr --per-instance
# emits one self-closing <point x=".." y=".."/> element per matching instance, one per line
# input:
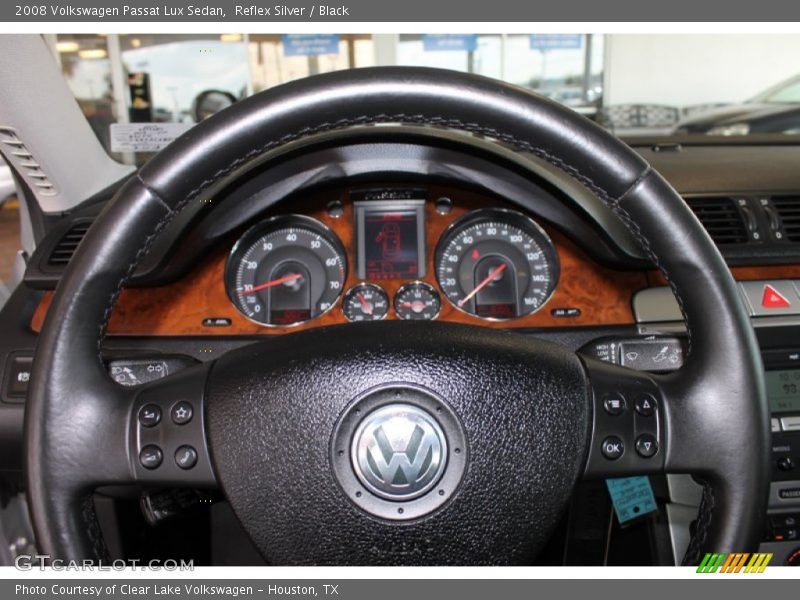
<point x="75" y="411"/>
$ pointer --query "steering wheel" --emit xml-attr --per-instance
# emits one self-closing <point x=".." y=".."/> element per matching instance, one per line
<point x="397" y="442"/>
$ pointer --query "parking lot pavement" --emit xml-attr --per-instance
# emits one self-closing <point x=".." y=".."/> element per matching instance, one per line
<point x="9" y="237"/>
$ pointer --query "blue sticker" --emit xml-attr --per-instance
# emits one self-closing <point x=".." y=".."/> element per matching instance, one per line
<point x="439" y="42"/>
<point x="314" y="44"/>
<point x="632" y="497"/>
<point x="555" y="41"/>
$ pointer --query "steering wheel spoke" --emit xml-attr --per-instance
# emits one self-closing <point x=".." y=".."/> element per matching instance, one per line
<point x="167" y="442"/>
<point x="628" y="434"/>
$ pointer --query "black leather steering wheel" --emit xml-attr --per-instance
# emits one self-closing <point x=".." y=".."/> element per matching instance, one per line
<point x="521" y="420"/>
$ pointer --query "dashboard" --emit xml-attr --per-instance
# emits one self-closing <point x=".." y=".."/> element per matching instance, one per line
<point x="459" y="248"/>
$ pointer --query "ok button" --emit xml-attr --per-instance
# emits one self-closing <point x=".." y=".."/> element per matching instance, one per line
<point x="612" y="447"/>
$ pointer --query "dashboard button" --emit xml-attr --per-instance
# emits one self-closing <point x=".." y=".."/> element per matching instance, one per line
<point x="149" y="415"/>
<point x="19" y="376"/>
<point x="182" y="413"/>
<point x="790" y="520"/>
<point x="785" y="464"/>
<point x="151" y="457"/>
<point x="788" y="534"/>
<point x="790" y="423"/>
<point x="766" y="298"/>
<point x="789" y="493"/>
<point x="646" y="445"/>
<point x="216" y="322"/>
<point x="613" y="447"/>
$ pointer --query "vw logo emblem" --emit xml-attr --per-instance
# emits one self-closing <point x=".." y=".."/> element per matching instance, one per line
<point x="399" y="452"/>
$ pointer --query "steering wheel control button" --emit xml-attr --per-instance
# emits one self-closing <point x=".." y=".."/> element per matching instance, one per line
<point x="399" y="452"/>
<point x="613" y="447"/>
<point x="186" y="457"/>
<point x="149" y="415"/>
<point x="645" y="405"/>
<point x="151" y="457"/>
<point x="646" y="445"/>
<point x="182" y="413"/>
<point x="614" y="403"/>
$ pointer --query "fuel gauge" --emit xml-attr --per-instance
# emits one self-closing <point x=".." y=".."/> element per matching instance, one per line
<point x="417" y="301"/>
<point x="365" y="302"/>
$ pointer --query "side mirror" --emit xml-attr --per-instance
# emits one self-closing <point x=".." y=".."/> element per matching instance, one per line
<point x="210" y="102"/>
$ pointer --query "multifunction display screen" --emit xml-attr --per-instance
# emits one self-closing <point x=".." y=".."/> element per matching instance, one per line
<point x="783" y="390"/>
<point x="391" y="239"/>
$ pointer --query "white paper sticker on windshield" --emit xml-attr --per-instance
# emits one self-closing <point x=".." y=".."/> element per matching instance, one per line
<point x="145" y="137"/>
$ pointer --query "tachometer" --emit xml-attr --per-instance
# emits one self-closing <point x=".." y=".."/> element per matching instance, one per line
<point x="497" y="264"/>
<point x="286" y="271"/>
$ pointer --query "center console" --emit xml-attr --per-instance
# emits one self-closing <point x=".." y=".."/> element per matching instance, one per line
<point x="783" y="392"/>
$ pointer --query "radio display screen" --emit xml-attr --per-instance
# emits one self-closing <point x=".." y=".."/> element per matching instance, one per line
<point x="783" y="390"/>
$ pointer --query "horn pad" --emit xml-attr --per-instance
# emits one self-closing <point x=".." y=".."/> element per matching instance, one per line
<point x="299" y="425"/>
<point x="399" y="452"/>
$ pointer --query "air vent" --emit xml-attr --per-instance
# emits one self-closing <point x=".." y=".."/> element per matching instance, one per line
<point x="66" y="246"/>
<point x="788" y="209"/>
<point x="17" y="153"/>
<point x="722" y="219"/>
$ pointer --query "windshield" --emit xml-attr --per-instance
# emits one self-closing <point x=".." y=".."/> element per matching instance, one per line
<point x="690" y="86"/>
<point x="787" y="92"/>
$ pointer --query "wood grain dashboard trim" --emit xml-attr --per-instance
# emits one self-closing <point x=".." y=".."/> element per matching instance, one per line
<point x="603" y="296"/>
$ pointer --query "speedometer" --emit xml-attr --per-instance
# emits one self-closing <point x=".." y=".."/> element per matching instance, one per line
<point x="497" y="264"/>
<point x="286" y="271"/>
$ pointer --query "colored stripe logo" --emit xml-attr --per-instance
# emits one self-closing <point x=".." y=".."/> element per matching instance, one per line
<point x="738" y="562"/>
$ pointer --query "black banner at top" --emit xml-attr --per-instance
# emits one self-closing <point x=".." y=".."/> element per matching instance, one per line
<point x="492" y="11"/>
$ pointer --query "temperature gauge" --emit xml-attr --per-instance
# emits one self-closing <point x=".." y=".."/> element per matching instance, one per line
<point x="365" y="302"/>
<point x="417" y="301"/>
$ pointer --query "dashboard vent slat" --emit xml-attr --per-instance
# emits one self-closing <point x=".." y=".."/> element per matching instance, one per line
<point x="721" y="218"/>
<point x="788" y="209"/>
<point x="29" y="168"/>
<point x="69" y="242"/>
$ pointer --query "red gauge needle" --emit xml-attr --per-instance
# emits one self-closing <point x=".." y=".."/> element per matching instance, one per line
<point x="273" y="283"/>
<point x="417" y="306"/>
<point x="366" y="306"/>
<point x="489" y="278"/>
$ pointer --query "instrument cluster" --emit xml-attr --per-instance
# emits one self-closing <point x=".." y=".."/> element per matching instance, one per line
<point x="492" y="263"/>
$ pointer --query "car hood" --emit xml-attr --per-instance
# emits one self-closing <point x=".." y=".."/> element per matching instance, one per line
<point x="737" y="113"/>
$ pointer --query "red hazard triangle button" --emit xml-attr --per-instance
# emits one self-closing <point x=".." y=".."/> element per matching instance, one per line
<point x="772" y="298"/>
